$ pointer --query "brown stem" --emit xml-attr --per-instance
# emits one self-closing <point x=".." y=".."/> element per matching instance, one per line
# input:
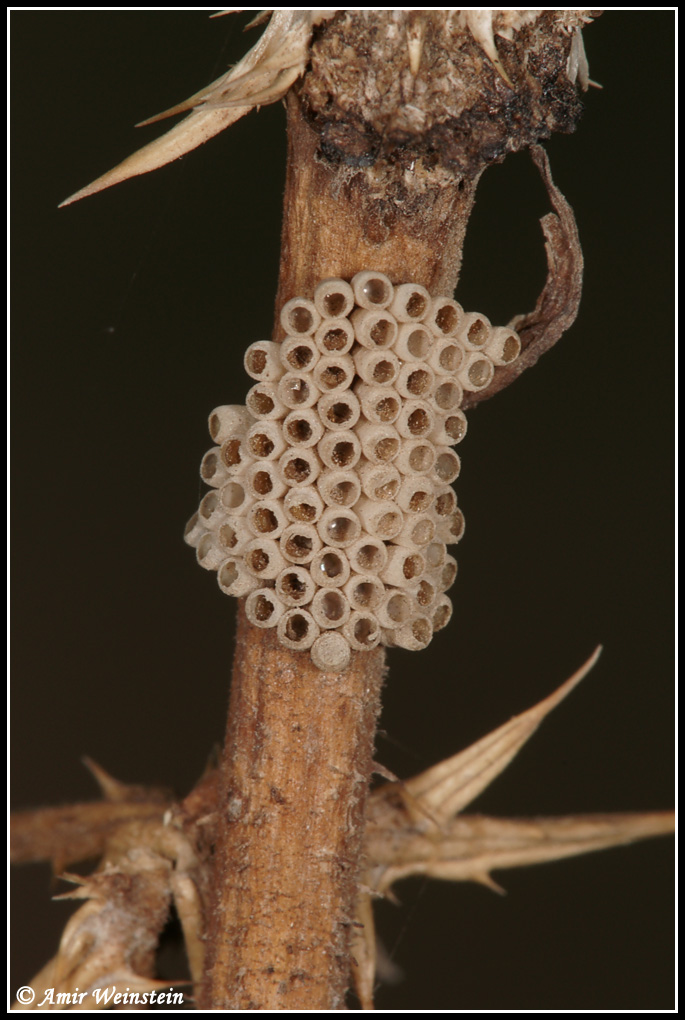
<point x="338" y="220"/>
<point x="296" y="769"/>
<point x="299" y="743"/>
<point x="374" y="181"/>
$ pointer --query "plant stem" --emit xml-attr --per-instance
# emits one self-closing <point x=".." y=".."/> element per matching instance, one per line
<point x="295" y="776"/>
<point x="388" y="190"/>
<point x="408" y="223"/>
<point x="298" y="754"/>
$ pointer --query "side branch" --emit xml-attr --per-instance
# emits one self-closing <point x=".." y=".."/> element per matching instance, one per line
<point x="77" y="832"/>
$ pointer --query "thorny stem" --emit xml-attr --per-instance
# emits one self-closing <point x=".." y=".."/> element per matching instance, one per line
<point x="298" y="754"/>
<point x="390" y="129"/>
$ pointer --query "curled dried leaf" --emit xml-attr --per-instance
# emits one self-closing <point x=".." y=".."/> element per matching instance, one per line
<point x="557" y="306"/>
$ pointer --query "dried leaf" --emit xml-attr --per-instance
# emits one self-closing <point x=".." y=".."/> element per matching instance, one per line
<point x="263" y="76"/>
<point x="470" y="847"/>
<point x="557" y="306"/>
<point x="412" y="829"/>
<point x="437" y="795"/>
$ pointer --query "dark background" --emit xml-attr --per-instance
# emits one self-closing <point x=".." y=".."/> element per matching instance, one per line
<point x="131" y="312"/>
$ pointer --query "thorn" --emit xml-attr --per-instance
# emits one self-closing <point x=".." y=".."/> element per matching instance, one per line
<point x="259" y="19"/>
<point x="69" y="876"/>
<point x="391" y="896"/>
<point x="75" y="894"/>
<point x="111" y="789"/>
<point x="479" y="22"/>
<point x="271" y="66"/>
<point x="415" y="35"/>
<point x="207" y="819"/>
<point x="187" y="104"/>
<point x="486" y="879"/>
<point x="83" y="891"/>
<point x="116" y="792"/>
<point x="381" y="770"/>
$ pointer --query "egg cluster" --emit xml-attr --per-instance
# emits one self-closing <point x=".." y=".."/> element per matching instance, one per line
<point x="331" y="505"/>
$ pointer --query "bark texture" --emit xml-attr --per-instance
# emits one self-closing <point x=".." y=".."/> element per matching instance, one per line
<point x="297" y="762"/>
<point x="339" y="219"/>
